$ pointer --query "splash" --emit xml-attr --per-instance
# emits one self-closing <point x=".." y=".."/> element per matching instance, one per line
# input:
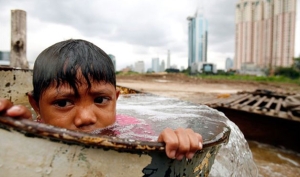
<point x="233" y="159"/>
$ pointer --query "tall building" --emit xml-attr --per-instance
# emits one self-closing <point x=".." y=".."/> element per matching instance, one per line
<point x="113" y="59"/>
<point x="265" y="33"/>
<point x="168" y="60"/>
<point x="4" y="56"/>
<point x="228" y="64"/>
<point x="197" y="39"/>
<point x="139" y="67"/>
<point x="155" y="65"/>
<point x="162" y="66"/>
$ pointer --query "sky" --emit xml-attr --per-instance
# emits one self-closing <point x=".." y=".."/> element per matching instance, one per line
<point x="131" y="30"/>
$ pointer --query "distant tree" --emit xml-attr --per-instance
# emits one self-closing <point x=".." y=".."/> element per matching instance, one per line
<point x="290" y="72"/>
<point x="297" y="63"/>
<point x="186" y="71"/>
<point x="172" y="70"/>
<point x="221" y="72"/>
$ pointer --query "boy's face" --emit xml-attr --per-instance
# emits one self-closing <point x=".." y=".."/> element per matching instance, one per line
<point x="92" y="109"/>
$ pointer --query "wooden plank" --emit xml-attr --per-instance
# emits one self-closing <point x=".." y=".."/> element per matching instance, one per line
<point x="258" y="103"/>
<point x="18" y="40"/>
<point x="266" y="108"/>
<point x="231" y="100"/>
<point x="240" y="100"/>
<point x="249" y="101"/>
<point x="270" y="103"/>
<point x="278" y="106"/>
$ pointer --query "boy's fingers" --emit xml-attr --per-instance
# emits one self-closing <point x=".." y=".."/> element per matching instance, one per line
<point x="5" y="104"/>
<point x="19" y="111"/>
<point x="200" y="139"/>
<point x="195" y="143"/>
<point x="194" y="140"/>
<point x="169" y="137"/>
<point x="183" y="141"/>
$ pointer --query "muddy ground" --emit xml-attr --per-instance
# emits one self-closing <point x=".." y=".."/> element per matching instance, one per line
<point x="271" y="161"/>
<point x="195" y="89"/>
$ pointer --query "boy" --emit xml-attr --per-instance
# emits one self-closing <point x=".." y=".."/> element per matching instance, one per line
<point x="74" y="87"/>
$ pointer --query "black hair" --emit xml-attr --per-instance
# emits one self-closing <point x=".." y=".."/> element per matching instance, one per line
<point x="60" y="63"/>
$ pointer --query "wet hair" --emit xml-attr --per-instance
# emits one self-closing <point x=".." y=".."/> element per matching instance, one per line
<point x="60" y="63"/>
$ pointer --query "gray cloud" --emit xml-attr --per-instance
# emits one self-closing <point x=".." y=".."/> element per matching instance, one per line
<point x="221" y="26"/>
<point x="143" y="24"/>
<point x="112" y="20"/>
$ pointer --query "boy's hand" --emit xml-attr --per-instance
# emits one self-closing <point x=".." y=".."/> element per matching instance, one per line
<point x="181" y="142"/>
<point x="8" y="109"/>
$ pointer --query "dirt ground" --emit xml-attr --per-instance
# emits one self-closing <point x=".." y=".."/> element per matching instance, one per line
<point x="205" y="91"/>
<point x="195" y="89"/>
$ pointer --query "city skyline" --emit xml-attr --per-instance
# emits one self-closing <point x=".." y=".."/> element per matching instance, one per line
<point x="160" y="26"/>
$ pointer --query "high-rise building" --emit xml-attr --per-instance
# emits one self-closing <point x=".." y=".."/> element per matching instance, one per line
<point x="162" y="66"/>
<point x="197" y="39"/>
<point x="265" y="33"/>
<point x="4" y="56"/>
<point x="168" y="60"/>
<point x="228" y="64"/>
<point x="113" y="59"/>
<point x="155" y="65"/>
<point x="139" y="67"/>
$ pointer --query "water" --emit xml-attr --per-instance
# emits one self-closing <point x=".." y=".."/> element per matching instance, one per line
<point x="233" y="159"/>
<point x="274" y="161"/>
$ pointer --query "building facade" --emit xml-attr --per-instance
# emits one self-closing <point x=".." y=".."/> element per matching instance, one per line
<point x="197" y="39"/>
<point x="265" y="33"/>
<point x="162" y="66"/>
<point x="139" y="67"/>
<point x="4" y="58"/>
<point x="169" y="59"/>
<point x="228" y="64"/>
<point x="155" y="65"/>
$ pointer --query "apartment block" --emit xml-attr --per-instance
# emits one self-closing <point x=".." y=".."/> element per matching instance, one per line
<point x="265" y="33"/>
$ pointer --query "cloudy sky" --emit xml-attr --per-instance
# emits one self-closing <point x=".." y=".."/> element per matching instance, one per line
<point x="132" y="30"/>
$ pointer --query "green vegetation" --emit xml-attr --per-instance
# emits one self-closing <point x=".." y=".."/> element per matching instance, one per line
<point x="128" y="73"/>
<point x="290" y="72"/>
<point x="238" y="77"/>
<point x="281" y="75"/>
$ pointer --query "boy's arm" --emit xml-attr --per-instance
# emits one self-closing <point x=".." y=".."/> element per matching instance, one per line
<point x="8" y="109"/>
<point x="181" y="142"/>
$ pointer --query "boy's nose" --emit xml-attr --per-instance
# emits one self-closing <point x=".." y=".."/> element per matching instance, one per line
<point x="85" y="117"/>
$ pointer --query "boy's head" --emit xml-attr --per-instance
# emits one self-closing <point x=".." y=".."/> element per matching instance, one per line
<point x="74" y="86"/>
<point x="61" y="62"/>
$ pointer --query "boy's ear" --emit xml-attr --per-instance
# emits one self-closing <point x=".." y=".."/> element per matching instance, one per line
<point x="34" y="104"/>
<point x="117" y="93"/>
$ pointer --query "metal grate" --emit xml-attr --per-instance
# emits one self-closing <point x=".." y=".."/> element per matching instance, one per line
<point x="260" y="102"/>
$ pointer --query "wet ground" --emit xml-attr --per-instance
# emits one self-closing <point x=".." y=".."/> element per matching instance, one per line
<point x="271" y="161"/>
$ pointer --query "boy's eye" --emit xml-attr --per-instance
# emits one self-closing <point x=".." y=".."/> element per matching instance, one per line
<point x="100" y="100"/>
<point x="63" y="103"/>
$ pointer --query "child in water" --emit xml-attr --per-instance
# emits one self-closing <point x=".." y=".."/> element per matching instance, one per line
<point x="74" y="87"/>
